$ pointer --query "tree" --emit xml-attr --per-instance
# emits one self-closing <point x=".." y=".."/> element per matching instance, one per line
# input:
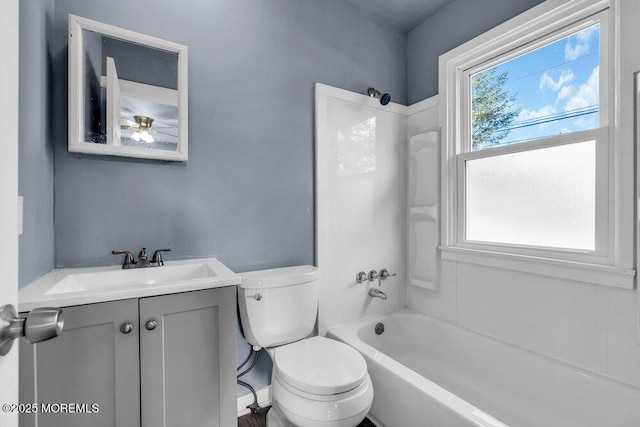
<point x="491" y="109"/>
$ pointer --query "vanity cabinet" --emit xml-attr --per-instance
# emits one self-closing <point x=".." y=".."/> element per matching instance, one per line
<point x="165" y="360"/>
<point x="91" y="361"/>
<point x="187" y="368"/>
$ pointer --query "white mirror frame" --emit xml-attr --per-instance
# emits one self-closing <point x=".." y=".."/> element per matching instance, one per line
<point x="77" y="85"/>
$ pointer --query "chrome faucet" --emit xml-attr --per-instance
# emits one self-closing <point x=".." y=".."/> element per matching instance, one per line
<point x="142" y="259"/>
<point x="157" y="257"/>
<point x="143" y="262"/>
<point x="128" y="262"/>
<point x="377" y="293"/>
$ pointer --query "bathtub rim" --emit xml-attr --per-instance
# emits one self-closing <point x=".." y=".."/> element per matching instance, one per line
<point x="348" y="333"/>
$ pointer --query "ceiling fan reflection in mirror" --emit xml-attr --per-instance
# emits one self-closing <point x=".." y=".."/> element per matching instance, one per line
<point x="105" y="98"/>
<point x="142" y="127"/>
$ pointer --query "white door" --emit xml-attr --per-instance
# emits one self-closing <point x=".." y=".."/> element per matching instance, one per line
<point x="8" y="195"/>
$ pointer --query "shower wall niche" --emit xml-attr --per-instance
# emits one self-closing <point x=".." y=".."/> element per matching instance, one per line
<point x="423" y="209"/>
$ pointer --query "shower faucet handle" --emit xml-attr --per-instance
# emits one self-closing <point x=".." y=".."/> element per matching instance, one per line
<point x="384" y="273"/>
<point x="373" y="275"/>
<point x="362" y="277"/>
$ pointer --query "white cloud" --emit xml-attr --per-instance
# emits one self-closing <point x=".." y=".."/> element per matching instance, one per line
<point x="526" y="114"/>
<point x="578" y="44"/>
<point x="546" y="81"/>
<point x="566" y="92"/>
<point x="573" y="52"/>
<point x="587" y="94"/>
<point x="585" y="35"/>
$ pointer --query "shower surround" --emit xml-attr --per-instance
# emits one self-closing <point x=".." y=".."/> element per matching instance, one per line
<point x="360" y="203"/>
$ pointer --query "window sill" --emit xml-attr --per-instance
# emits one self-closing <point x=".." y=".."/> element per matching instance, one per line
<point x="591" y="273"/>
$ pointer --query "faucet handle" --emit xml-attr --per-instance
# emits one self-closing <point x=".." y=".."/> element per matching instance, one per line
<point x="373" y="275"/>
<point x="384" y="273"/>
<point x="128" y="258"/>
<point x="157" y="256"/>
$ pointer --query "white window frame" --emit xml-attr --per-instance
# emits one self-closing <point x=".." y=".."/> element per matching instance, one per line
<point x="612" y="261"/>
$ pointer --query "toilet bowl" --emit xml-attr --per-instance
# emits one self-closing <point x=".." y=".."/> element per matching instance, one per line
<point x="316" y="381"/>
<point x="320" y="382"/>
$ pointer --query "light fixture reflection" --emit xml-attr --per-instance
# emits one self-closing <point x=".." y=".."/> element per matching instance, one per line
<point x="144" y="136"/>
<point x="142" y="132"/>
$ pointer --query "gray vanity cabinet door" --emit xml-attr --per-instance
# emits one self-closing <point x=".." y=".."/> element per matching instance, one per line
<point x="91" y="362"/>
<point x="187" y="359"/>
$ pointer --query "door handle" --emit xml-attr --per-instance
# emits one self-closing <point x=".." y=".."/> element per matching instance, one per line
<point x="40" y="324"/>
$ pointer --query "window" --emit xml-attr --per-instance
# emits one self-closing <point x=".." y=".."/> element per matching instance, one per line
<point x="550" y="90"/>
<point x="543" y="197"/>
<point x="530" y="167"/>
<point x="544" y="105"/>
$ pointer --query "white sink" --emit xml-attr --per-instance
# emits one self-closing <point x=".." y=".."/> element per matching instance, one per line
<point x="111" y="279"/>
<point x="76" y="286"/>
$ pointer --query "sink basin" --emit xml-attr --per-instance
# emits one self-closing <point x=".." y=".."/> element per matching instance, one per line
<point x="76" y="286"/>
<point x="112" y="279"/>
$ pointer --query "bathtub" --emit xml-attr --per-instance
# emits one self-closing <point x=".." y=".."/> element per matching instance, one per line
<point x="427" y="372"/>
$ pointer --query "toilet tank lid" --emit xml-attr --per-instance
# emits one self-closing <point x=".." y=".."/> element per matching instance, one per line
<point x="277" y="277"/>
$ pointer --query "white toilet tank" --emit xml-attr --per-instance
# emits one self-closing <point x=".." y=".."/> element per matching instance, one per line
<point x="278" y="306"/>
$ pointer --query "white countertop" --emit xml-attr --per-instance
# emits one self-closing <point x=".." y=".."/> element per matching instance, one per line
<point x="43" y="292"/>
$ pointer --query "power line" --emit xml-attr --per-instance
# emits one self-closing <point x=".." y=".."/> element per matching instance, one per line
<point x="596" y="52"/>
<point x="550" y="68"/>
<point x="568" y="114"/>
<point x="555" y="117"/>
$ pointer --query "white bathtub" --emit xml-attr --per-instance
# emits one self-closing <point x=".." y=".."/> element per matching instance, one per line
<point x="427" y="372"/>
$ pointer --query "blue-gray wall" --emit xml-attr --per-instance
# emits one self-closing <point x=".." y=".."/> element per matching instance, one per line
<point x="36" y="142"/>
<point x="246" y="194"/>
<point x="459" y="22"/>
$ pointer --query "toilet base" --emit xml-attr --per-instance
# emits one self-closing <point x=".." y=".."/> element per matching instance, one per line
<point x="276" y="419"/>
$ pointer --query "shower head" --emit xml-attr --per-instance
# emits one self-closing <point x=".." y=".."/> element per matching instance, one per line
<point x="384" y="98"/>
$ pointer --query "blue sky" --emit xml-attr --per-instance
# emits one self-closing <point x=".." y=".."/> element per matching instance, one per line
<point x="552" y="82"/>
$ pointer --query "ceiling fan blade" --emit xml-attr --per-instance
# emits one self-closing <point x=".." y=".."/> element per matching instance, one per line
<point x="164" y="133"/>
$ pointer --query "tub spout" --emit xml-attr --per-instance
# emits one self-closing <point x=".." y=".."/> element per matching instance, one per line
<point x="377" y="293"/>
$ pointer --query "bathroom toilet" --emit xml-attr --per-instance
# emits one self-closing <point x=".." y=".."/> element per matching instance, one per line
<point x="317" y="381"/>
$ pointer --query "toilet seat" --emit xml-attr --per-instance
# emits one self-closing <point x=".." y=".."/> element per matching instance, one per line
<point x="319" y="366"/>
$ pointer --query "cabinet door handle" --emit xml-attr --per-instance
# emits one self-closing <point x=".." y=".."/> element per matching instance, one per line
<point x="126" y="328"/>
<point x="151" y="325"/>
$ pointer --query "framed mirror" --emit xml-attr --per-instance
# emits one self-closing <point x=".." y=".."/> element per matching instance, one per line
<point x="127" y="93"/>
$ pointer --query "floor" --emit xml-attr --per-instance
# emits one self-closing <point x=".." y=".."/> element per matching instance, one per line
<point x="252" y="420"/>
